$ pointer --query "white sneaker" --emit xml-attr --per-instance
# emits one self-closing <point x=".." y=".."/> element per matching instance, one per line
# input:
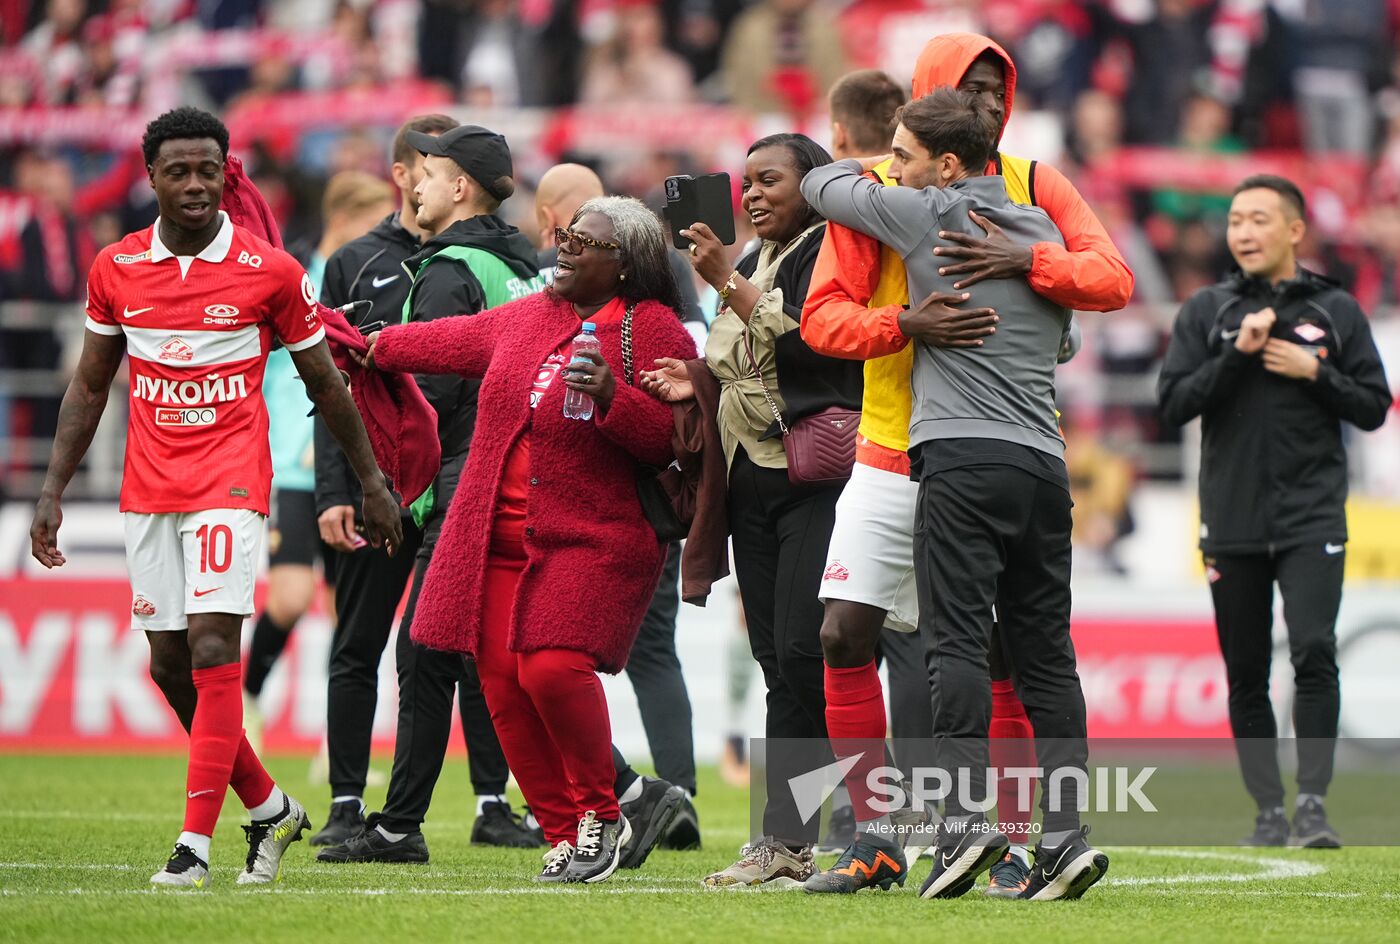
<point x="267" y="841"/>
<point x="768" y="864"/>
<point x="183" y="870"/>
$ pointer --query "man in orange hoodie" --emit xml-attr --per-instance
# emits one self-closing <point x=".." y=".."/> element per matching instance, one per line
<point x="857" y="308"/>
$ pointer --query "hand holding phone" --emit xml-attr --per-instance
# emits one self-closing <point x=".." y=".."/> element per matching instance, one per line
<point x="691" y="200"/>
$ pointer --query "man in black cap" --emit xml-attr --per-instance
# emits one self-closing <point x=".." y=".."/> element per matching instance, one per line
<point x="471" y="261"/>
<point x="370" y="583"/>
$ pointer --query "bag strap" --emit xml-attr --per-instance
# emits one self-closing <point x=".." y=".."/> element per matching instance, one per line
<point x="763" y="384"/>
<point x="627" y="344"/>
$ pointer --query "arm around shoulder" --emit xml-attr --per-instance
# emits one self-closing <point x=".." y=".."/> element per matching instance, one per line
<point x="835" y="319"/>
<point x="1087" y="273"/>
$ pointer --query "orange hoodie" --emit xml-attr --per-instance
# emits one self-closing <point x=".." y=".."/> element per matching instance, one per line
<point x="1087" y="273"/>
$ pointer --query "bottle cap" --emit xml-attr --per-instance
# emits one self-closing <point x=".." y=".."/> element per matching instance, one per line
<point x="589" y="327"/>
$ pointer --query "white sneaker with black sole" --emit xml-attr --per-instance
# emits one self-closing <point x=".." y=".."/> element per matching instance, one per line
<point x="598" y="849"/>
<point x="183" y="870"/>
<point x="1067" y="871"/>
<point x="268" y="841"/>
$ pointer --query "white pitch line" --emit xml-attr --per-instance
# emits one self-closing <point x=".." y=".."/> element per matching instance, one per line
<point x="1273" y="868"/>
<point x="1269" y="868"/>
<point x="346" y="869"/>
<point x="368" y="892"/>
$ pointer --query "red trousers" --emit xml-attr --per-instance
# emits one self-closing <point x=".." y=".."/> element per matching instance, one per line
<point x="548" y="707"/>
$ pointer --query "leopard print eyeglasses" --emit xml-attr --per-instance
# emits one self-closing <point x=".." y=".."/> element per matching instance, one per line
<point x="574" y="242"/>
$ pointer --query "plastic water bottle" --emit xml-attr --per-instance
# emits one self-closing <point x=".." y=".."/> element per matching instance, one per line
<point x="577" y="404"/>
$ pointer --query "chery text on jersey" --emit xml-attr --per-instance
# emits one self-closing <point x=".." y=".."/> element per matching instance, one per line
<point x="198" y="331"/>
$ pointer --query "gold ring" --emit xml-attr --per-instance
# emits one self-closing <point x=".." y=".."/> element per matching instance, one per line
<point x="695" y="249"/>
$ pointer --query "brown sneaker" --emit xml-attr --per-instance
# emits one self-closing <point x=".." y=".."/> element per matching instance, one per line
<point x="766" y="864"/>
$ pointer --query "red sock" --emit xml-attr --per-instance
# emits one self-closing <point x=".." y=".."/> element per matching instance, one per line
<point x="249" y="779"/>
<point x="1012" y="745"/>
<point x="855" y="722"/>
<point x="214" y="737"/>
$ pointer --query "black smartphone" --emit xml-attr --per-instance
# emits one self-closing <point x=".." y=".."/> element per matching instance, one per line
<point x="706" y="199"/>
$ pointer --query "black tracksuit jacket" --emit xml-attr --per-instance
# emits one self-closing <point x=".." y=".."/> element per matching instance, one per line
<point x="1273" y="466"/>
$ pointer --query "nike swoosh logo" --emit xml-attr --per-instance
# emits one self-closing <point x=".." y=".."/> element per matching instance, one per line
<point x="194" y="793"/>
<point x="1054" y="870"/>
<point x="377" y="282"/>
<point x="1230" y="335"/>
<point x="205" y="593"/>
<point x="132" y="313"/>
<point x="1334" y="548"/>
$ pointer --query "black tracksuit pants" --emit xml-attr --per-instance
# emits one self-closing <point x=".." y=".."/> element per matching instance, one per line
<point x="367" y="592"/>
<point x="907" y="657"/>
<point x="996" y="536"/>
<point x="654" y="670"/>
<point x="780" y="533"/>
<point x="368" y="589"/>
<point x="1242" y="586"/>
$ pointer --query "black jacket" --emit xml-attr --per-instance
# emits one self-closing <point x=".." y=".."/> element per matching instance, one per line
<point x="368" y="268"/>
<point x="809" y="382"/>
<point x="1273" y="467"/>
<point x="448" y="288"/>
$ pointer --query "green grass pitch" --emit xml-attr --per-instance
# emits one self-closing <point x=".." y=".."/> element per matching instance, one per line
<point x="80" y="836"/>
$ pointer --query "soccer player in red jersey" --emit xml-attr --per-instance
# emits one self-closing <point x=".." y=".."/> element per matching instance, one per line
<point x="196" y="303"/>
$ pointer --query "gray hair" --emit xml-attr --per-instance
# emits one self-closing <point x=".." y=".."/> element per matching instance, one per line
<point x="644" y="252"/>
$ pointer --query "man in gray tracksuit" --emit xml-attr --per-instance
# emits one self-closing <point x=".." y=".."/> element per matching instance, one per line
<point x="993" y="535"/>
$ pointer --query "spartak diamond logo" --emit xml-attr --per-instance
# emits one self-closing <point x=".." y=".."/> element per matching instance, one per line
<point x="176" y="350"/>
<point x="836" y="571"/>
<point x="142" y="607"/>
<point x="1309" y="332"/>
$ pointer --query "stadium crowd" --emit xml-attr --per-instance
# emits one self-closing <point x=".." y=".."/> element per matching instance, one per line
<point x="1153" y="109"/>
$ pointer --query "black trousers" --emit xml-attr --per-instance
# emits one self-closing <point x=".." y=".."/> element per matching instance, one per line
<point x="654" y="670"/>
<point x="428" y="680"/>
<point x="1310" y="580"/>
<point x="367" y="592"/>
<point x="911" y="703"/>
<point x="780" y="533"/>
<point x="908" y="657"/>
<point x="996" y="536"/>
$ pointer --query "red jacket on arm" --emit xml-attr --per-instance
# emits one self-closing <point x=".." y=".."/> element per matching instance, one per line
<point x="401" y="424"/>
<point x="593" y="560"/>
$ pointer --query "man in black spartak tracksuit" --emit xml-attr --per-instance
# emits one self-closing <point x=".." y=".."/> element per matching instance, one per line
<point x="1273" y="360"/>
<point x="370" y="583"/>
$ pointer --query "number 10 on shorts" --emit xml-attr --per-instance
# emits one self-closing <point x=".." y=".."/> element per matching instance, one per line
<point x="215" y="548"/>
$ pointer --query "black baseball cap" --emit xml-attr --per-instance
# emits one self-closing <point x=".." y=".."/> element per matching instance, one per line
<point x="482" y="153"/>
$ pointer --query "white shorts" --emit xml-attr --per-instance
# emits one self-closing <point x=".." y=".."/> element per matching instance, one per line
<point x="191" y="562"/>
<point x="871" y="556"/>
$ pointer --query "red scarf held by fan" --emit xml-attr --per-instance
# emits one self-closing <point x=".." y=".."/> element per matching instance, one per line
<point x="402" y="426"/>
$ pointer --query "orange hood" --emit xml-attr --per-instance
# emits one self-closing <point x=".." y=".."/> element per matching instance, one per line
<point x="947" y="58"/>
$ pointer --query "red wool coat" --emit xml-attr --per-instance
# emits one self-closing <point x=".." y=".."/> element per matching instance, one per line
<point x="593" y="560"/>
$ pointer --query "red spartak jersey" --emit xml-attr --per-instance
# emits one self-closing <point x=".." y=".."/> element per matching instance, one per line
<point x="198" y="330"/>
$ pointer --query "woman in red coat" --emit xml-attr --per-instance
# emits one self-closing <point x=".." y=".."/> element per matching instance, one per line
<point x="546" y="563"/>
